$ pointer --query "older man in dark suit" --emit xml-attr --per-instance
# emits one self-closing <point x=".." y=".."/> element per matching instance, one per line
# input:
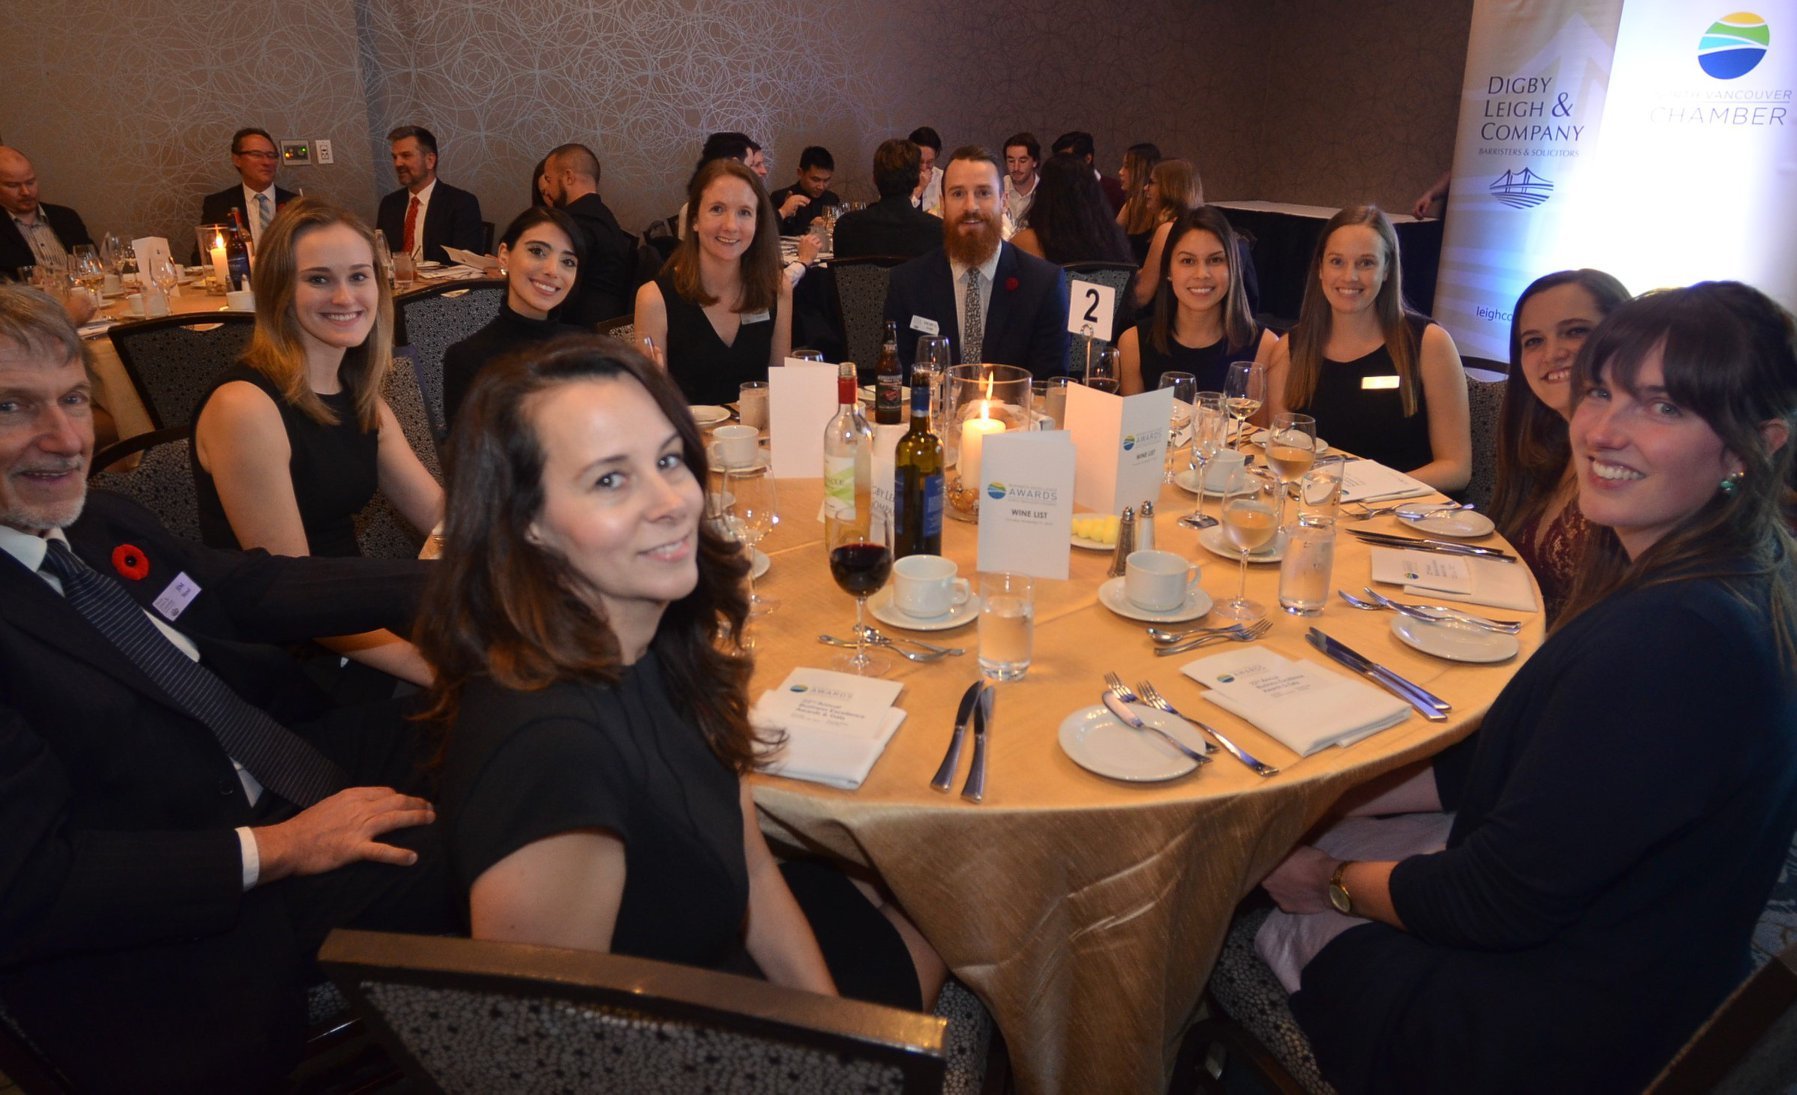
<point x="31" y="231"/>
<point x="994" y="303"/>
<point x="426" y="214"/>
<point x="892" y="225"/>
<point x="255" y="198"/>
<point x="185" y="816"/>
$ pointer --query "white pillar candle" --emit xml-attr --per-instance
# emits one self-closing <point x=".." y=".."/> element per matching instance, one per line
<point x="220" y="267"/>
<point x="973" y="437"/>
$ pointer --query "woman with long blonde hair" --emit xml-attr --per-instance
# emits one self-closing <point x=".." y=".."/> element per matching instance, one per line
<point x="1174" y="188"/>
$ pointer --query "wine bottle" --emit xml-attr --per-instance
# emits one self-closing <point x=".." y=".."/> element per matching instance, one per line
<point x="848" y="466"/>
<point x="238" y="249"/>
<point x="917" y="484"/>
<point x="889" y="381"/>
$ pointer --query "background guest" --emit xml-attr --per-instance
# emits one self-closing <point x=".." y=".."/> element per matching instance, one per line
<point x="1381" y="381"/>
<point x="1079" y="145"/>
<point x="805" y="200"/>
<point x="893" y="225"/>
<point x="1138" y="215"/>
<point x="608" y="253"/>
<point x="929" y="147"/>
<point x="1070" y="221"/>
<point x="1173" y="188"/>
<point x="1200" y="321"/>
<point x="1023" y="155"/>
<point x="1535" y="504"/>
<point x="256" y="198"/>
<point x="539" y="184"/>
<point x="290" y="444"/>
<point x="426" y="214"/>
<point x="32" y="233"/>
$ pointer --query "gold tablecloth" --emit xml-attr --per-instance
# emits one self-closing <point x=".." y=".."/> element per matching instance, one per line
<point x="117" y="394"/>
<point x="1086" y="913"/>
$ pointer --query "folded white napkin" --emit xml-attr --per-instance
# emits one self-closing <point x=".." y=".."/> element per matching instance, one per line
<point x="1300" y="704"/>
<point x="1456" y="578"/>
<point x="1369" y="480"/>
<point x="836" y="725"/>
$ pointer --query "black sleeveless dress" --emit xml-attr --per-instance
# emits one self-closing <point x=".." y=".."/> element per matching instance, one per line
<point x="1210" y="364"/>
<point x="333" y="471"/>
<point x="708" y="371"/>
<point x="1370" y="421"/>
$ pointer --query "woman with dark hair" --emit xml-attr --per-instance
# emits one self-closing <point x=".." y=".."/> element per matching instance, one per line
<point x="540" y="255"/>
<point x="586" y="623"/>
<point x="290" y="443"/>
<point x="539" y="184"/>
<point x="1137" y="217"/>
<point x="1199" y="323"/>
<point x="1382" y="382"/>
<point x="1174" y="187"/>
<point x="1069" y="219"/>
<point x="1629" y="798"/>
<point x="1536" y="504"/>
<point x="721" y="309"/>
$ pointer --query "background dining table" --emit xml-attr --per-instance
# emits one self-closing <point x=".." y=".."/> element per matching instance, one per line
<point x="1085" y="912"/>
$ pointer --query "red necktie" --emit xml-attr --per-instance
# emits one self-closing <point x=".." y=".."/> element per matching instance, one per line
<point x="411" y="223"/>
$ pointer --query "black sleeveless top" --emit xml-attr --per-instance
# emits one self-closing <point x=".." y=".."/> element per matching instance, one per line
<point x="1370" y="422"/>
<point x="708" y="371"/>
<point x="1210" y="364"/>
<point x="333" y="470"/>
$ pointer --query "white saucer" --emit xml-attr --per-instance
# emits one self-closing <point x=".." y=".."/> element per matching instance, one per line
<point x="880" y="604"/>
<point x="1216" y="541"/>
<point x="761" y="461"/>
<point x="707" y="415"/>
<point x="1111" y="596"/>
<point x="1259" y="440"/>
<point x="1457" y="642"/>
<point x="1461" y="523"/>
<point x="1089" y="545"/>
<point x="760" y="564"/>
<point x="1097" y="742"/>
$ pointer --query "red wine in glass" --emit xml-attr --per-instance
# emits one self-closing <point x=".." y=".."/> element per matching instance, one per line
<point x="861" y="569"/>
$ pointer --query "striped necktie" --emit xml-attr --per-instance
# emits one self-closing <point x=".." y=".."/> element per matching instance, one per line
<point x="264" y="213"/>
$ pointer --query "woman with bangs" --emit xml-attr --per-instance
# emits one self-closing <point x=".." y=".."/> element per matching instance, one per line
<point x="721" y="309"/>
<point x="1627" y="803"/>
<point x="1199" y="323"/>
<point x="291" y="443"/>
<point x="585" y="623"/>
<point x="1536" y="504"/>
<point x="1382" y="382"/>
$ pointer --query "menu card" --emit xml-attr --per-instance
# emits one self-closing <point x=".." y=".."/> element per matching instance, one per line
<point x="836" y="725"/>
<point x="801" y="400"/>
<point x="1026" y="503"/>
<point x="886" y="439"/>
<point x="1369" y="481"/>
<point x="1456" y="578"/>
<point x="1300" y="704"/>
<point x="1122" y="445"/>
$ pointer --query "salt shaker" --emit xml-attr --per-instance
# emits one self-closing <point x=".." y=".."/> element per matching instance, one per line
<point x="1126" y="542"/>
<point x="1145" y="528"/>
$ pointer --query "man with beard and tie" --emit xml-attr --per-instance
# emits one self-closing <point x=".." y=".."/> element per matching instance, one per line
<point x="995" y="304"/>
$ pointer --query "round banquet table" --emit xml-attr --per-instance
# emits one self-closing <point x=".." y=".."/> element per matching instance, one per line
<point x="1085" y="913"/>
<point x="117" y="394"/>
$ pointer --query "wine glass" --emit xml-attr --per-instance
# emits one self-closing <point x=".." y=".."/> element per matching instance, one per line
<point x="1244" y="391"/>
<point x="1251" y="520"/>
<point x="1179" y="428"/>
<point x="1291" y="446"/>
<point x="166" y="275"/>
<point x="861" y="561"/>
<point x="1210" y="428"/>
<point x="86" y="268"/>
<point x="1104" y="368"/>
<point x="931" y="366"/>
<point x="748" y="503"/>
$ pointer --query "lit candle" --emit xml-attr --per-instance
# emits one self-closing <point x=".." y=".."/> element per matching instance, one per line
<point x="220" y="268"/>
<point x="973" y="438"/>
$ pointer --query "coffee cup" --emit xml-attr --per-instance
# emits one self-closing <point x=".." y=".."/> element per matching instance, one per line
<point x="736" y="446"/>
<point x="925" y="586"/>
<point x="1159" y="581"/>
<point x="135" y="304"/>
<point x="240" y="300"/>
<point x="1223" y="469"/>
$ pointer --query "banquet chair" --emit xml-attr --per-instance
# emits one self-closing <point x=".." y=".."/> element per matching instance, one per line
<point x="1248" y="1015"/>
<point x="172" y="361"/>
<point x="1484" y="399"/>
<point x="433" y="319"/>
<point x="622" y="328"/>
<point x="467" y="1015"/>
<point x="861" y="296"/>
<point x="381" y="530"/>
<point x="162" y="480"/>
<point x="1749" y="1043"/>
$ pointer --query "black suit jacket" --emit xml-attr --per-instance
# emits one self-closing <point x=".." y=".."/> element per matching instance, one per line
<point x="126" y="942"/>
<point x="16" y="252"/>
<point x="1026" y="319"/>
<point x="890" y="226"/>
<point x="452" y="219"/>
<point x="607" y="269"/>
<point x="216" y="209"/>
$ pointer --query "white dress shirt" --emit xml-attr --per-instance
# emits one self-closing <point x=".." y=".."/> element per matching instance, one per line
<point x="45" y="243"/>
<point x="986" y="271"/>
<point x="250" y="214"/>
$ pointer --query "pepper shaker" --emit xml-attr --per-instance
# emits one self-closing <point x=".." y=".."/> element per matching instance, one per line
<point x="1126" y="542"/>
<point x="1145" y="528"/>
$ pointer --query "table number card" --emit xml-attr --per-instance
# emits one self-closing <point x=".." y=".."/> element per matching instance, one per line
<point x="1090" y="309"/>
<point x="801" y="399"/>
<point x="1122" y="445"/>
<point x="1026" y="503"/>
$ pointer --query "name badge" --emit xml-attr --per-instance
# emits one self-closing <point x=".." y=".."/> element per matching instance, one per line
<point x="925" y="326"/>
<point x="1378" y="383"/>
<point x="755" y="317"/>
<point x="174" y="600"/>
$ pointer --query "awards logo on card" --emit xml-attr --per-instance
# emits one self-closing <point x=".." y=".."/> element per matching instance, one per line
<point x="1121" y="443"/>
<point x="1026" y="503"/>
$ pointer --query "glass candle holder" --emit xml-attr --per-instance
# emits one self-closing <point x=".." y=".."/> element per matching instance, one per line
<point x="979" y="401"/>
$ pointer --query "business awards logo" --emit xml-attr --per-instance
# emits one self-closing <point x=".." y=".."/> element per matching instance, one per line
<point x="1734" y="45"/>
<point x="1129" y="442"/>
<point x="1521" y="189"/>
<point x="995" y="490"/>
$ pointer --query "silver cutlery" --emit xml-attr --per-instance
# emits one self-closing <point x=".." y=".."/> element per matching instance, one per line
<point x="974" y="790"/>
<point x="1442" y="547"/>
<point x="1120" y="695"/>
<point x="1152" y="697"/>
<point x="924" y="657"/>
<point x="945" y="773"/>
<point x="1165" y="637"/>
<point x="1247" y="635"/>
<point x="876" y="635"/>
<point x="1426" y="510"/>
<point x="1430" y="613"/>
<point x="1427" y="704"/>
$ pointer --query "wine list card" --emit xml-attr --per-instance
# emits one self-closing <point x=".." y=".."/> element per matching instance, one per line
<point x="801" y="400"/>
<point x="1122" y="446"/>
<point x="1026" y="502"/>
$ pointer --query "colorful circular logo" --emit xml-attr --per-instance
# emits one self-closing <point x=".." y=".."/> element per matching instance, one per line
<point x="1129" y="442"/>
<point x="1734" y="45"/>
<point x="995" y="490"/>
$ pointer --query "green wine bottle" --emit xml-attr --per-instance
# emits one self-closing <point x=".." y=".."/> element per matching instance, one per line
<point x="917" y="484"/>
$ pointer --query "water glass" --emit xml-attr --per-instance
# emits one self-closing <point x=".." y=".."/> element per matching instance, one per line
<point x="1007" y="625"/>
<point x="1210" y="427"/>
<point x="1305" y="569"/>
<point x="1318" y="491"/>
<point x="1179" y="427"/>
<point x="751" y="404"/>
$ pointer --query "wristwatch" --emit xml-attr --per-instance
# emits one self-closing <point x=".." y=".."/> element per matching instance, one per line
<point x="1338" y="893"/>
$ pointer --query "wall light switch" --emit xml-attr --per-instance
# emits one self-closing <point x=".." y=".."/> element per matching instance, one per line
<point x="296" y="153"/>
<point x="321" y="151"/>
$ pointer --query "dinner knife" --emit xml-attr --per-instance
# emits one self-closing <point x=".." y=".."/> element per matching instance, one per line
<point x="1429" y="705"/>
<point x="945" y="775"/>
<point x="1115" y="705"/>
<point x="1445" y="547"/>
<point x="975" y="788"/>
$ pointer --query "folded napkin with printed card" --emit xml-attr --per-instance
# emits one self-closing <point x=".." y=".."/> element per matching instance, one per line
<point x="1456" y="578"/>
<point x="1302" y="705"/>
<point x="835" y="725"/>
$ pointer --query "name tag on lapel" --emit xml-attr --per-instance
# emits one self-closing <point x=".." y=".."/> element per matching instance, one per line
<point x="1378" y="383"/>
<point x="174" y="600"/>
<point x="755" y="317"/>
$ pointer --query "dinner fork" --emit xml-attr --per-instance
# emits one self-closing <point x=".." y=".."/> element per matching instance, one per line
<point x="923" y="657"/>
<point x="1122" y="692"/>
<point x="875" y="635"/>
<point x="1164" y="637"/>
<point x="1154" y="699"/>
<point x="1247" y="635"/>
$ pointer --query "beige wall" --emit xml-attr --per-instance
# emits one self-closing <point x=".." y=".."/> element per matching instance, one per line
<point x="1321" y="102"/>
